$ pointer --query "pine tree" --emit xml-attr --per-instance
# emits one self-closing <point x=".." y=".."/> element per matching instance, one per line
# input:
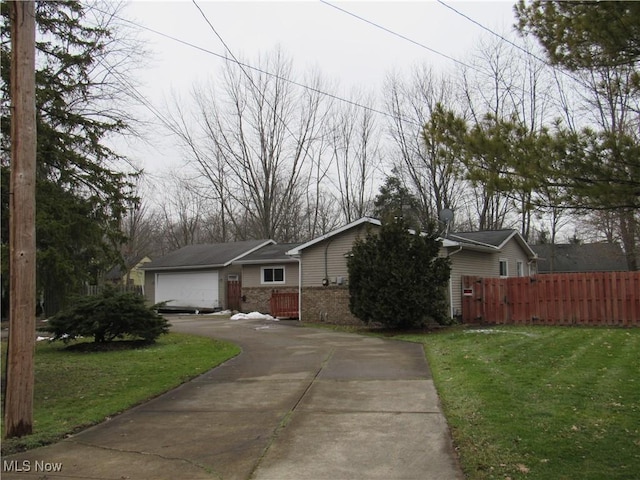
<point x="81" y="192"/>
<point x="396" y="277"/>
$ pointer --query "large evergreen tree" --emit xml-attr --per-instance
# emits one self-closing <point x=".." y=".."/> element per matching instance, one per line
<point x="396" y="277"/>
<point x="81" y="191"/>
<point x="582" y="35"/>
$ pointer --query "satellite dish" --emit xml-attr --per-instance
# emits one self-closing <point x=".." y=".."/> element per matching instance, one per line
<point x="446" y="215"/>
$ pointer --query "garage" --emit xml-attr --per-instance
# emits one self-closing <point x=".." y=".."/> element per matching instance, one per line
<point x="188" y="289"/>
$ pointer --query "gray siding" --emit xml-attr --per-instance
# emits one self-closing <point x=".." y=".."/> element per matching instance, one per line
<point x="483" y="264"/>
<point x="251" y="275"/>
<point x="329" y="257"/>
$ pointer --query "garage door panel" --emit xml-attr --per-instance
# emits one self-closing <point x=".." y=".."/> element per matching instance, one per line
<point x="197" y="289"/>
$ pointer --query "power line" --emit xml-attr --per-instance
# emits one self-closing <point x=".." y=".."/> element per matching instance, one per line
<point x="259" y="70"/>
<point x="504" y="39"/>
<point x="399" y="35"/>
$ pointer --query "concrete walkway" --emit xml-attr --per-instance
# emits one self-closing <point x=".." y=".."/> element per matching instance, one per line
<point x="298" y="403"/>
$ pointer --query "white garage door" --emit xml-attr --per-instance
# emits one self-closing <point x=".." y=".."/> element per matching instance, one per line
<point x="198" y="289"/>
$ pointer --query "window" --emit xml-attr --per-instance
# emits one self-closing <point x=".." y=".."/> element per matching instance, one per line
<point x="272" y="275"/>
<point x="504" y="268"/>
<point x="520" y="268"/>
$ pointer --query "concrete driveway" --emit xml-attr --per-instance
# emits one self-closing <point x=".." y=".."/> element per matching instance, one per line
<point x="298" y="403"/>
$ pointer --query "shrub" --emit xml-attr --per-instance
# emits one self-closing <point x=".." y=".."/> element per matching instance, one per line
<point x="108" y="316"/>
<point x="396" y="278"/>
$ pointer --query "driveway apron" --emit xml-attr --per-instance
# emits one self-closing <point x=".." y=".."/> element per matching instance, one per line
<point x="297" y="403"/>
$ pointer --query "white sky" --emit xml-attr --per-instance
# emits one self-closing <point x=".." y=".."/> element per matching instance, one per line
<point x="315" y="35"/>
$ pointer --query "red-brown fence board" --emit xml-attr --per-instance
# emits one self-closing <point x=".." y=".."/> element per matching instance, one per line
<point x="284" y="304"/>
<point x="234" y="295"/>
<point x="603" y="298"/>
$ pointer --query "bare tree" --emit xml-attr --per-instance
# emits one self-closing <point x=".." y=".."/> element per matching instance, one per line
<point x="355" y="156"/>
<point x="505" y="83"/>
<point x="435" y="179"/>
<point x="251" y="136"/>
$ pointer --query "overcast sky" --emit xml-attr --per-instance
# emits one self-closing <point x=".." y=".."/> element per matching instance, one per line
<point x="345" y="49"/>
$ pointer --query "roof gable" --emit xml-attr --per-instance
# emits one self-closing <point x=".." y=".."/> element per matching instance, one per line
<point x="206" y="255"/>
<point x="349" y="226"/>
<point x="490" y="240"/>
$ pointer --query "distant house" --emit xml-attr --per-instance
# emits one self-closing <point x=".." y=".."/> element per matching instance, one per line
<point x="265" y="271"/>
<point x="576" y="258"/>
<point x="324" y="277"/>
<point x="131" y="274"/>
<point x="196" y="277"/>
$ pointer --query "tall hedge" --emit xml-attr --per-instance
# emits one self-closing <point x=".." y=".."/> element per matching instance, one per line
<point x="396" y="277"/>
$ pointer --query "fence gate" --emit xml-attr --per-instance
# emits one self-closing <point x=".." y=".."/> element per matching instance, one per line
<point x="284" y="304"/>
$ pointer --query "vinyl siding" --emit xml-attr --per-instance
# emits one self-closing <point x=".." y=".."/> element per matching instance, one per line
<point x="328" y="258"/>
<point x="483" y="264"/>
<point x="251" y="275"/>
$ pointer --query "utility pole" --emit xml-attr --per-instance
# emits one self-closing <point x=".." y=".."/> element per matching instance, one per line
<point x="18" y="408"/>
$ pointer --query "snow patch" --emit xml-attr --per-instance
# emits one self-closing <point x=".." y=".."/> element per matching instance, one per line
<point x="253" y="316"/>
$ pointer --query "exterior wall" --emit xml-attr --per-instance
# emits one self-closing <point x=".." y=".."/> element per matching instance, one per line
<point x="327" y="304"/>
<point x="469" y="262"/>
<point x="327" y="259"/>
<point x="251" y="275"/>
<point x="136" y="276"/>
<point x="512" y="252"/>
<point x="483" y="264"/>
<point x="257" y="299"/>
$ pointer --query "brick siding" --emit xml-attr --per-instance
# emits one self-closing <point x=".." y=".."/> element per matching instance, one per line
<point x="327" y="304"/>
<point x="256" y="299"/>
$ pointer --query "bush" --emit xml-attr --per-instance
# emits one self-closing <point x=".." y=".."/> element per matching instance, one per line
<point x="396" y="278"/>
<point x="108" y="316"/>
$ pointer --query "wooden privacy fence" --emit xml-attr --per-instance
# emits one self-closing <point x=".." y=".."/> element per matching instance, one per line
<point x="601" y="298"/>
<point x="284" y="304"/>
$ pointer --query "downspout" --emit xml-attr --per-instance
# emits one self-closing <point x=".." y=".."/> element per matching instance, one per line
<point x="299" y="288"/>
<point x="326" y="263"/>
<point x="451" y="283"/>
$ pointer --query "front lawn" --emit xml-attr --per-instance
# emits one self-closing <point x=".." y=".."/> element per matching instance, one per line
<point x="76" y="388"/>
<point x="540" y="402"/>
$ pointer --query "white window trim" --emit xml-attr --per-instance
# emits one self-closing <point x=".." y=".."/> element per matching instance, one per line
<point x="273" y="267"/>
<point x="506" y="267"/>
<point x="520" y="268"/>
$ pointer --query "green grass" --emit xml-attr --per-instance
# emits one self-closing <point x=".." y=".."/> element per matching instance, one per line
<point x="540" y="402"/>
<point x="76" y="389"/>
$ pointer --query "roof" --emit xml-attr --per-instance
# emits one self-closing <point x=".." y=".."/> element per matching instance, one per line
<point x="269" y="253"/>
<point x="214" y="255"/>
<point x="349" y="226"/>
<point x="489" y="240"/>
<point x="588" y="257"/>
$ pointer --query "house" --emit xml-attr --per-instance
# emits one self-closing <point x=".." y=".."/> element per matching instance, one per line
<point x="487" y="253"/>
<point x="266" y="271"/>
<point x="131" y="274"/>
<point x="577" y="258"/>
<point x="323" y="289"/>
<point x="197" y="277"/>
<point x="324" y="277"/>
